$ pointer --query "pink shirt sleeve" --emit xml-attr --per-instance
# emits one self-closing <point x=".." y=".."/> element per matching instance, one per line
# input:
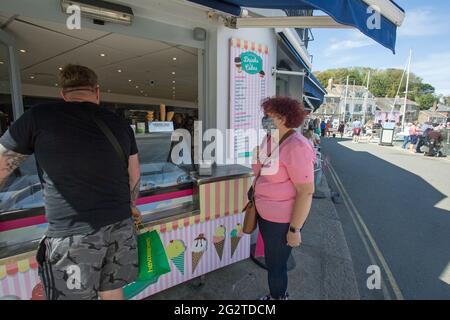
<point x="299" y="160"/>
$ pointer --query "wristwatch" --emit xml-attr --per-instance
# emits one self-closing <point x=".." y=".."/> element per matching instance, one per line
<point x="294" y="230"/>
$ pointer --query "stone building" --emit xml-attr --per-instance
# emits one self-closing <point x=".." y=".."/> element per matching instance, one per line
<point x="347" y="103"/>
<point x="396" y="105"/>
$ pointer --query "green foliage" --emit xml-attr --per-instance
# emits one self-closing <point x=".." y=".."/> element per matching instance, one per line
<point x="383" y="83"/>
<point x="426" y="101"/>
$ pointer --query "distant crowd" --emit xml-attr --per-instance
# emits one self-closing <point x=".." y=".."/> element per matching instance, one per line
<point x="417" y="138"/>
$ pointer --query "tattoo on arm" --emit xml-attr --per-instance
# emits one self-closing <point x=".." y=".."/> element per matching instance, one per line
<point x="9" y="161"/>
<point x="135" y="192"/>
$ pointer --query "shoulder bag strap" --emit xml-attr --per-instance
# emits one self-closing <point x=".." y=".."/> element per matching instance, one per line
<point x="112" y="139"/>
<point x="287" y="135"/>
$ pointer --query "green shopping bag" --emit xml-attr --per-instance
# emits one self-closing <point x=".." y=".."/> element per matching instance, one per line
<point x="153" y="261"/>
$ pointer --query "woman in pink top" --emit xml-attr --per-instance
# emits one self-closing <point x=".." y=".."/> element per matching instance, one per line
<point x="283" y="191"/>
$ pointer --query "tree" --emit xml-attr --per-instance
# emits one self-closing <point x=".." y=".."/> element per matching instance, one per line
<point x="426" y="101"/>
<point x="383" y="82"/>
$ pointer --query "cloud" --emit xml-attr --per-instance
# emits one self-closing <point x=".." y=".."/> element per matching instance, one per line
<point x="354" y="40"/>
<point x="345" y="60"/>
<point x="435" y="70"/>
<point x="423" y="22"/>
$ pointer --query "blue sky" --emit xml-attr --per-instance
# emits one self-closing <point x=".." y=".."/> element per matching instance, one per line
<point x="426" y="30"/>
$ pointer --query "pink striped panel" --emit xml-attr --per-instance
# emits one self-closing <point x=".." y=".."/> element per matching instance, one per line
<point x="227" y="197"/>
<point x="15" y="280"/>
<point x="210" y="260"/>
<point x="218" y="186"/>
<point x="236" y="195"/>
<point x="4" y="288"/>
<point x="207" y="201"/>
<point x="22" y="223"/>
<point x="244" y="195"/>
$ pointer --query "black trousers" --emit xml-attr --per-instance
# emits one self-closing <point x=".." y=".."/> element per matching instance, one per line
<point x="276" y="252"/>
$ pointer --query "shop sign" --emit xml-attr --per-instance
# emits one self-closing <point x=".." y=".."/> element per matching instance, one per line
<point x="251" y="62"/>
<point x="249" y="85"/>
<point x="160" y="126"/>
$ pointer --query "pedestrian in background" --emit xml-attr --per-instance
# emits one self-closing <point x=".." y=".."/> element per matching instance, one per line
<point x="369" y="131"/>
<point x="323" y="128"/>
<point x="313" y="138"/>
<point x="328" y="128"/>
<point x="356" y="126"/>
<point x="341" y="129"/>
<point x="406" y="138"/>
<point x="412" y="136"/>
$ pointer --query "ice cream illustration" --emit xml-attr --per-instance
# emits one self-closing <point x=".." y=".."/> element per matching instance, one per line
<point x="219" y="240"/>
<point x="236" y="235"/>
<point x="199" y="247"/>
<point x="175" y="252"/>
<point x="262" y="74"/>
<point x="38" y="292"/>
<point x="238" y="64"/>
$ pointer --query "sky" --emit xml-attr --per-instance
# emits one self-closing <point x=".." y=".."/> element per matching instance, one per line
<point x="426" y="30"/>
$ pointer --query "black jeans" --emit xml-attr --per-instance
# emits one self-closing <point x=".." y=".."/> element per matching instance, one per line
<point x="276" y="252"/>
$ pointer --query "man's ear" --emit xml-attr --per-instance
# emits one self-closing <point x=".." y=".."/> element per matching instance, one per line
<point x="97" y="93"/>
<point x="62" y="95"/>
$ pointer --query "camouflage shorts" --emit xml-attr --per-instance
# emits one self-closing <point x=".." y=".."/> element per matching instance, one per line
<point x="81" y="266"/>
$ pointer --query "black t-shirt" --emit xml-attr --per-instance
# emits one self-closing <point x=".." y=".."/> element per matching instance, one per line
<point x="86" y="186"/>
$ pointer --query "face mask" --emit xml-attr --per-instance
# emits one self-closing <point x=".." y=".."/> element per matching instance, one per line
<point x="267" y="123"/>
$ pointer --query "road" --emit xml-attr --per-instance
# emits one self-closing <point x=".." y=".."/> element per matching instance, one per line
<point x="395" y="210"/>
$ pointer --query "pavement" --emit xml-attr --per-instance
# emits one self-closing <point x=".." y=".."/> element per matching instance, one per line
<point x="400" y="202"/>
<point x="323" y="268"/>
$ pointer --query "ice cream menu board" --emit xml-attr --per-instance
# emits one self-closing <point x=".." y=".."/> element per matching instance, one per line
<point x="249" y="83"/>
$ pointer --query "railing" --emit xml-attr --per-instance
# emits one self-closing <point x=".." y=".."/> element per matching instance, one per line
<point x="446" y="142"/>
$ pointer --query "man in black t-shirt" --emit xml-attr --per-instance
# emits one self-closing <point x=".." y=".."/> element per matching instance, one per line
<point x="89" y="250"/>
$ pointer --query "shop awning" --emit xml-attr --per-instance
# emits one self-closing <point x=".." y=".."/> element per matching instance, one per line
<point x="312" y="87"/>
<point x="354" y="13"/>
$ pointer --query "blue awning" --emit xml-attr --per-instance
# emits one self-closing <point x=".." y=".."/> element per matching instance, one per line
<point x="353" y="13"/>
<point x="312" y="86"/>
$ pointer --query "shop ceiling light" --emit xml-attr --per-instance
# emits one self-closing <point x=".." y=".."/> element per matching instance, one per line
<point x="102" y="55"/>
<point x="101" y="10"/>
<point x="23" y="50"/>
<point x="173" y="72"/>
<point x="119" y="71"/>
<point x="174" y="58"/>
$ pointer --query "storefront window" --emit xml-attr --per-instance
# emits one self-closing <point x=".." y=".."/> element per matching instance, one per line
<point x="23" y="189"/>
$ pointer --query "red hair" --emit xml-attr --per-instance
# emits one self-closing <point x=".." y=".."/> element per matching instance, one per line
<point x="292" y="110"/>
